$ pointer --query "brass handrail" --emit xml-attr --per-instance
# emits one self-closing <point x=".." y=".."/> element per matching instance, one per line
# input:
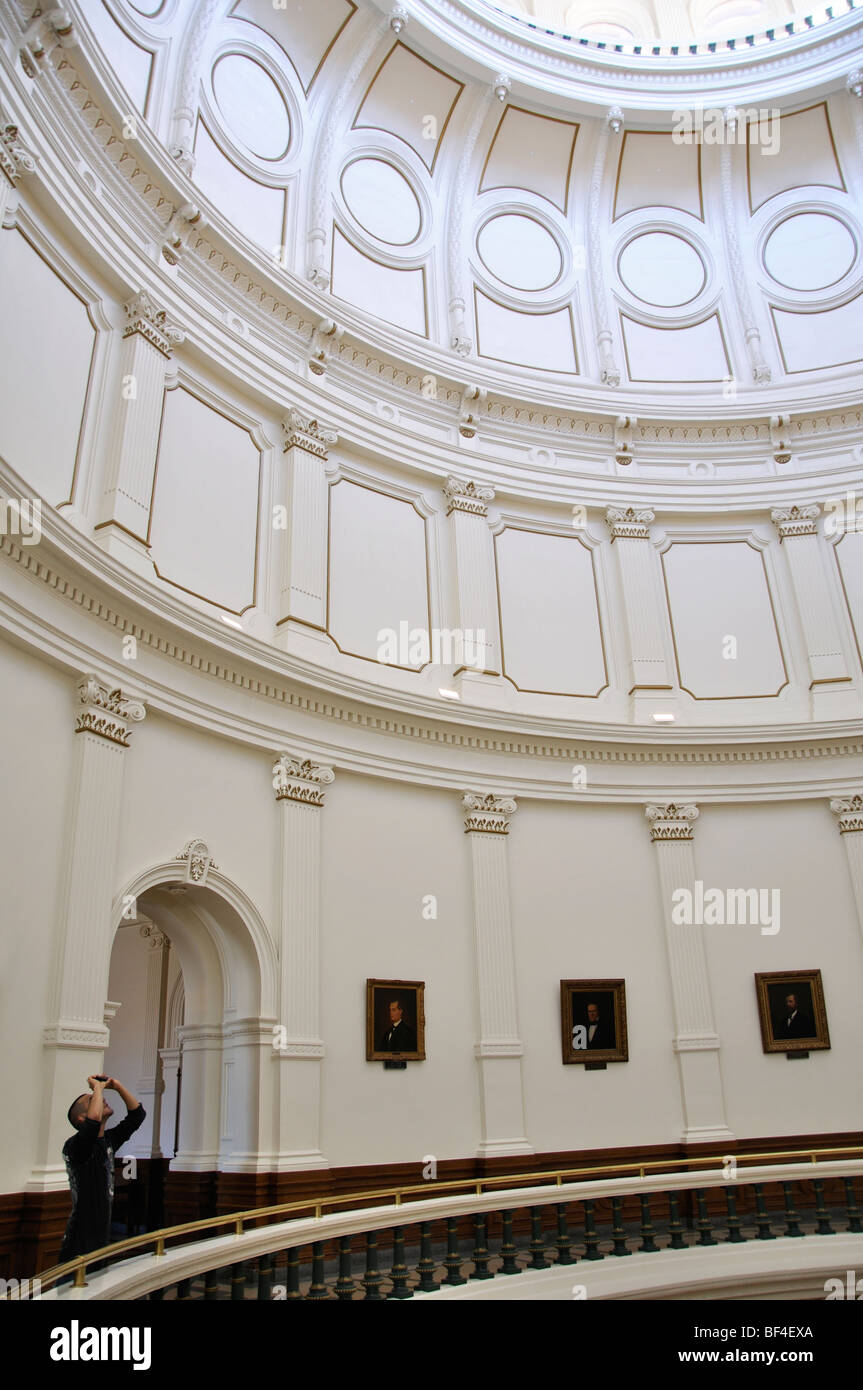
<point x="79" y="1265"/>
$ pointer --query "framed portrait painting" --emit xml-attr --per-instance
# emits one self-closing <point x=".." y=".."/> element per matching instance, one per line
<point x="791" y="1011"/>
<point x="395" y="1021"/>
<point x="593" y="1021"/>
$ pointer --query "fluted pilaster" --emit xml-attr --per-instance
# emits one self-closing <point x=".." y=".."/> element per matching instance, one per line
<point x="829" y="676"/>
<point x="649" y="680"/>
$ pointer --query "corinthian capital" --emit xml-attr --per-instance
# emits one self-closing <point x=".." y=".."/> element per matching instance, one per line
<point x="464" y="496"/>
<point x="629" y="523"/>
<point x="796" y="521"/>
<point x="849" y="813"/>
<point x="489" y="814"/>
<point x="106" y="712"/>
<point x="302" y="432"/>
<point x="153" y="324"/>
<point x="671" y="822"/>
<point x="15" y="158"/>
<point x="304" y="781"/>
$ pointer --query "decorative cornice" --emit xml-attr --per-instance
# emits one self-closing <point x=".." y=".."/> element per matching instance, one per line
<point x="696" y="1042"/>
<point x="796" y="521"/>
<point x="464" y="496"/>
<point x="304" y="781"/>
<point x="198" y="862"/>
<point x="849" y="811"/>
<point x="107" y="712"/>
<point x="629" y="523"/>
<point x="304" y="433"/>
<point x="507" y="1047"/>
<point x="75" y="1033"/>
<point x="488" y="814"/>
<point x="152" y="323"/>
<point x="671" y="822"/>
<point x="15" y="158"/>
<point x="299" y="1048"/>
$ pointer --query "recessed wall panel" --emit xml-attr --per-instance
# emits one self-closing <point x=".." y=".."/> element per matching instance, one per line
<point x="378" y="575"/>
<point x="46" y="348"/>
<point x="552" y="642"/>
<point x="204" y="515"/>
<point x="256" y="210"/>
<point x="722" y="620"/>
<point x="546" y="341"/>
<point x="656" y="171"/>
<point x="794" y="151"/>
<point x="827" y="339"/>
<point x="695" y="353"/>
<point x="397" y="296"/>
<point x="305" y="32"/>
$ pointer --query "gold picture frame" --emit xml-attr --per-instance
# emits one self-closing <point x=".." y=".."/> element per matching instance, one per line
<point x="395" y="1021"/>
<point x="598" y="1009"/>
<point x="792" y="1012"/>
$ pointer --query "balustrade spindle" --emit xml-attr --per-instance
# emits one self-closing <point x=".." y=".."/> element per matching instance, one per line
<point x="372" y="1279"/>
<point x="211" y="1285"/>
<point x="238" y="1282"/>
<point x="317" y="1288"/>
<point x="591" y="1240"/>
<point x="480" y="1248"/>
<point x="791" y="1217"/>
<point x="292" y="1275"/>
<point x="508" y="1248"/>
<point x="426" y="1265"/>
<point x="184" y="1290"/>
<point x="823" y="1228"/>
<point x="265" y="1277"/>
<point x="399" y="1271"/>
<point x="675" y="1225"/>
<point x="345" y="1285"/>
<point x="453" y="1254"/>
<point x="537" y="1241"/>
<point x="647" y="1232"/>
<point x="735" y="1235"/>
<point x="564" y="1253"/>
<point x="618" y="1234"/>
<point x="851" y="1205"/>
<point x="762" y="1220"/>
<point x="705" y="1225"/>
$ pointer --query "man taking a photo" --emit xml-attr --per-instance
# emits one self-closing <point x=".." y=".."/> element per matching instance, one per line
<point x="89" y="1157"/>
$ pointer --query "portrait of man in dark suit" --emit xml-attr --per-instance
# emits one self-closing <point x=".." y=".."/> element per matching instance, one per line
<point x="600" y="1026"/>
<point x="395" y="1022"/>
<point x="793" y="1019"/>
<point x="398" y="1035"/>
<point x="593" y="1022"/>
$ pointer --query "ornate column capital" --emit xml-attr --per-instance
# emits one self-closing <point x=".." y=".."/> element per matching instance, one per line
<point x="153" y="324"/>
<point x="671" y="821"/>
<point x="156" y="938"/>
<point x="489" y="814"/>
<point x="463" y="496"/>
<point x="614" y="119"/>
<point x="295" y="780"/>
<point x="15" y="158"/>
<point x="105" y="712"/>
<point x="854" y="83"/>
<point x="849" y="811"/>
<point x="629" y="523"/>
<point x="796" y="521"/>
<point x="302" y="432"/>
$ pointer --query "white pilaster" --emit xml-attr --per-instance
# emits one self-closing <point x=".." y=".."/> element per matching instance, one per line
<point x="651" y="687"/>
<point x="169" y="1058"/>
<point x="76" y="1035"/>
<point x="299" y="1051"/>
<point x="829" y="677"/>
<point x="201" y="1118"/>
<point x="477" y="676"/>
<point x="609" y="371"/>
<point x="149" y="1086"/>
<point x="302" y="616"/>
<point x="499" y="1048"/>
<point x="695" y="1041"/>
<point x="148" y="342"/>
<point x="849" y="814"/>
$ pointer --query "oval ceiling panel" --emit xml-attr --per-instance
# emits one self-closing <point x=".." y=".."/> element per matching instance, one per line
<point x="520" y="252"/>
<point x="809" y="251"/>
<point x="252" y="106"/>
<point x="382" y="201"/>
<point x="662" y="269"/>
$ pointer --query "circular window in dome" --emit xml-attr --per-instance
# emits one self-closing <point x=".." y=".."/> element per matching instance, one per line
<point x="382" y="201"/>
<point x="253" y="108"/>
<point x="809" y="251"/>
<point x="520" y="252"/>
<point x="662" y="269"/>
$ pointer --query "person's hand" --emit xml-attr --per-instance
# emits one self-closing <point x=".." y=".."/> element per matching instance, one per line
<point x="111" y="1083"/>
<point x="95" y="1083"/>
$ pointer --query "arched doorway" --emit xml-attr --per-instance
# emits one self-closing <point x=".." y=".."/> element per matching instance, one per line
<point x="192" y="988"/>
